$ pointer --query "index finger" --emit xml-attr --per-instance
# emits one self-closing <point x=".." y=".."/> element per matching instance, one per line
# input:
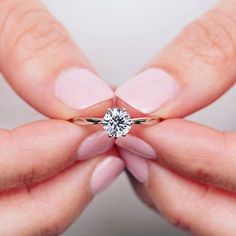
<point x="198" y="152"/>
<point x="44" y="66"/>
<point x="191" y="72"/>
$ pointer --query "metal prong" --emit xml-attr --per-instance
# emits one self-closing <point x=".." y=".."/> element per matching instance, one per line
<point x="110" y="136"/>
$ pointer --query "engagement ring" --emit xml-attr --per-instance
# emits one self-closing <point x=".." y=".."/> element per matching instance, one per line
<point x="116" y="122"/>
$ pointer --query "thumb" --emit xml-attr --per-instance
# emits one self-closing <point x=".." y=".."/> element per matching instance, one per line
<point x="193" y="71"/>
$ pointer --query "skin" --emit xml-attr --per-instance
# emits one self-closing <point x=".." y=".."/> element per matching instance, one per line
<point x="33" y="171"/>
<point x="192" y="183"/>
<point x="38" y="160"/>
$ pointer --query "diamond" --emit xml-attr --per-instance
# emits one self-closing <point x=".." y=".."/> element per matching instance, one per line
<point x="117" y="122"/>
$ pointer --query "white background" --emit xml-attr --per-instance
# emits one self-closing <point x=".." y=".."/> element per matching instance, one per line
<point x="119" y="37"/>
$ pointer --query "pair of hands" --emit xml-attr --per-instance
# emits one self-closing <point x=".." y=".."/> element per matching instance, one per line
<point x="183" y="169"/>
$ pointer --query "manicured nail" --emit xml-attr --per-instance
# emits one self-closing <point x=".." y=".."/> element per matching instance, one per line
<point x="94" y="145"/>
<point x="105" y="173"/>
<point x="80" y="89"/>
<point x="136" y="146"/>
<point x="136" y="165"/>
<point x="147" y="91"/>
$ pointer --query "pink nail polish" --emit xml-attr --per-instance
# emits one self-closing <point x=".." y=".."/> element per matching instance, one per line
<point x="94" y="144"/>
<point x="147" y="91"/>
<point x="80" y="89"/>
<point x="136" y="165"/>
<point x="136" y="146"/>
<point x="105" y="173"/>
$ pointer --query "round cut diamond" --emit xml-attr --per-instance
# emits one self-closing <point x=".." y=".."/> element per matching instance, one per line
<point x="117" y="122"/>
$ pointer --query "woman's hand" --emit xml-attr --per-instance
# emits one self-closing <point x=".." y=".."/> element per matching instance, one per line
<point x="184" y="169"/>
<point x="43" y="186"/>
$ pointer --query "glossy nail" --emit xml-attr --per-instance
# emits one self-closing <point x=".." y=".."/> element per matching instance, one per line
<point x="94" y="145"/>
<point x="148" y="91"/>
<point x="80" y="89"/>
<point x="136" y="146"/>
<point x="105" y="173"/>
<point x="136" y="165"/>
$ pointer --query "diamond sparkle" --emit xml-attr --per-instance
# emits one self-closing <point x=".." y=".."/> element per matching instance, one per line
<point x="117" y="122"/>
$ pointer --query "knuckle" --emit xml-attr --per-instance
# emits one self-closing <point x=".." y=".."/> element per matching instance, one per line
<point x="176" y="215"/>
<point x="228" y="150"/>
<point x="181" y="217"/>
<point x="178" y="218"/>
<point x="181" y="223"/>
<point x="211" y="39"/>
<point x="50" y="230"/>
<point x="53" y="227"/>
<point x="203" y="175"/>
<point x="32" y="31"/>
<point x="26" y="178"/>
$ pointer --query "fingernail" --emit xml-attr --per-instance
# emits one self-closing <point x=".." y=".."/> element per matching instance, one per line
<point x="136" y="146"/>
<point x="80" y="89"/>
<point x="105" y="173"/>
<point x="94" y="145"/>
<point x="136" y="165"/>
<point x="147" y="91"/>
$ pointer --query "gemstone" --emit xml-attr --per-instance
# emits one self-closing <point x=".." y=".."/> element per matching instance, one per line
<point x="117" y="122"/>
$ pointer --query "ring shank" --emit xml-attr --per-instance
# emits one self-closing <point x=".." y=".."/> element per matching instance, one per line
<point x="86" y="121"/>
<point x="83" y="121"/>
<point x="147" y="120"/>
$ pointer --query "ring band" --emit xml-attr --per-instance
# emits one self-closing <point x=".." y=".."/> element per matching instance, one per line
<point x="116" y="122"/>
<point x="83" y="121"/>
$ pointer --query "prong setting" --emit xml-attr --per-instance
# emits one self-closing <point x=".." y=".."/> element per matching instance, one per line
<point x="117" y="122"/>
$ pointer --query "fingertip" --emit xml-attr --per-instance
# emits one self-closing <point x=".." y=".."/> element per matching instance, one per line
<point x="136" y="165"/>
<point x="107" y="170"/>
<point x="95" y="144"/>
<point x="46" y="68"/>
<point x="155" y="86"/>
<point x="81" y="89"/>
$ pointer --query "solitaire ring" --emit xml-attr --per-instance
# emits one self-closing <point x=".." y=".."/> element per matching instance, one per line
<point x="116" y="122"/>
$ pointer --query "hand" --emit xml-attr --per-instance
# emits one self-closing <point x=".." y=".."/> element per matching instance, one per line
<point x="189" y="171"/>
<point x="43" y="186"/>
